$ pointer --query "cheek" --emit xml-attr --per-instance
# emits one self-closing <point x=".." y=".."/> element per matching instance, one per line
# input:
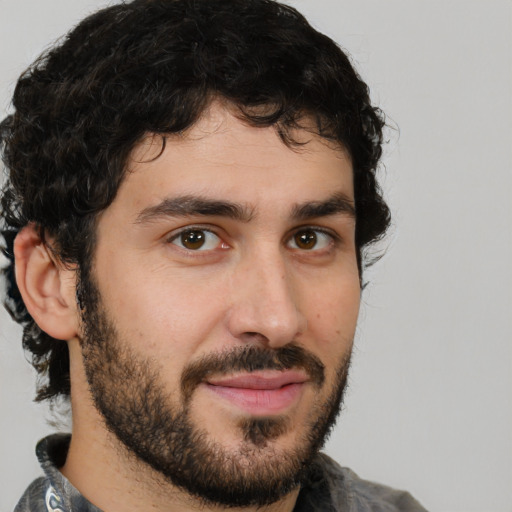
<point x="162" y="314"/>
<point x="338" y="305"/>
<point x="332" y="317"/>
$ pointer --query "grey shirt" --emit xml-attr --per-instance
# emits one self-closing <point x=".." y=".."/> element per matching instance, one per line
<point x="329" y="488"/>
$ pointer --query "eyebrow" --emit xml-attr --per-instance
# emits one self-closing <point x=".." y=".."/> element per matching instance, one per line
<point x="337" y="203"/>
<point x="188" y="205"/>
<point x="184" y="206"/>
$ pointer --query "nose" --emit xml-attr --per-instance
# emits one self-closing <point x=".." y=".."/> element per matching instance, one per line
<point x="266" y="304"/>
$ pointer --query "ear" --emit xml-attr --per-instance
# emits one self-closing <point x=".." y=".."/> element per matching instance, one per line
<point x="46" y="286"/>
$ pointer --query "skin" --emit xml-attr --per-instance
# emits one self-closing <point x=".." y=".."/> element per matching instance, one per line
<point x="252" y="282"/>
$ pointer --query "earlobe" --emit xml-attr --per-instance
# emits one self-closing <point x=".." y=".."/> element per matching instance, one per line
<point x="46" y="286"/>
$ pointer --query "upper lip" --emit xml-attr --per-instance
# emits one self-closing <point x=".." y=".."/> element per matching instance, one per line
<point x="269" y="379"/>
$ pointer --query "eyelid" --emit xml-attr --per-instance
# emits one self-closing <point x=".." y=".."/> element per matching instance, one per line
<point x="191" y="227"/>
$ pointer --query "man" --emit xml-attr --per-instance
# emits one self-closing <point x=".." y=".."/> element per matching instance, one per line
<point x="191" y="192"/>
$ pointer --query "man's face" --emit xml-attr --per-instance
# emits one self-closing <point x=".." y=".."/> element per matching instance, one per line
<point x="217" y="345"/>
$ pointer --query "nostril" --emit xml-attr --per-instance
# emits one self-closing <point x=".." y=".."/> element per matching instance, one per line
<point x="255" y="336"/>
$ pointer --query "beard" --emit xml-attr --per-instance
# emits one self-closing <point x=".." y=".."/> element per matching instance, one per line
<point x="156" y="426"/>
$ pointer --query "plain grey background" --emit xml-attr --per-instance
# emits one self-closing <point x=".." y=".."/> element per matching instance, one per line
<point x="429" y="407"/>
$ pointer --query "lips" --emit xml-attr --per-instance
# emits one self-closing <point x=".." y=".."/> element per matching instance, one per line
<point x="260" y="393"/>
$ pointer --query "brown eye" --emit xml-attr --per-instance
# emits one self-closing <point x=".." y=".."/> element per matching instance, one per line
<point x="197" y="239"/>
<point x="305" y="240"/>
<point x="309" y="239"/>
<point x="193" y="239"/>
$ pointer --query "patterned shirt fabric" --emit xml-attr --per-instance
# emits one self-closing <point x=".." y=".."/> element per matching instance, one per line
<point x="329" y="488"/>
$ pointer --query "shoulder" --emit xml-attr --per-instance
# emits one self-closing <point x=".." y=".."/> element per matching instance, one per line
<point x="33" y="500"/>
<point x="334" y="488"/>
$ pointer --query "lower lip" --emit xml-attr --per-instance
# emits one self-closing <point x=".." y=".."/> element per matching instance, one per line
<point x="260" y="402"/>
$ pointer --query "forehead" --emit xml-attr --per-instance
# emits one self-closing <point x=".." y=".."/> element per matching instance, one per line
<point x="221" y="156"/>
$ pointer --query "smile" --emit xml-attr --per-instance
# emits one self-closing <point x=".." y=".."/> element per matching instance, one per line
<point x="260" y="393"/>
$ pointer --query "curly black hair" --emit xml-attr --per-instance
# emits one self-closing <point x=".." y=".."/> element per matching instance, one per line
<point x="154" y="66"/>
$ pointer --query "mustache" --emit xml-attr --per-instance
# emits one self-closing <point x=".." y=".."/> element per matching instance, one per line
<point x="250" y="358"/>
